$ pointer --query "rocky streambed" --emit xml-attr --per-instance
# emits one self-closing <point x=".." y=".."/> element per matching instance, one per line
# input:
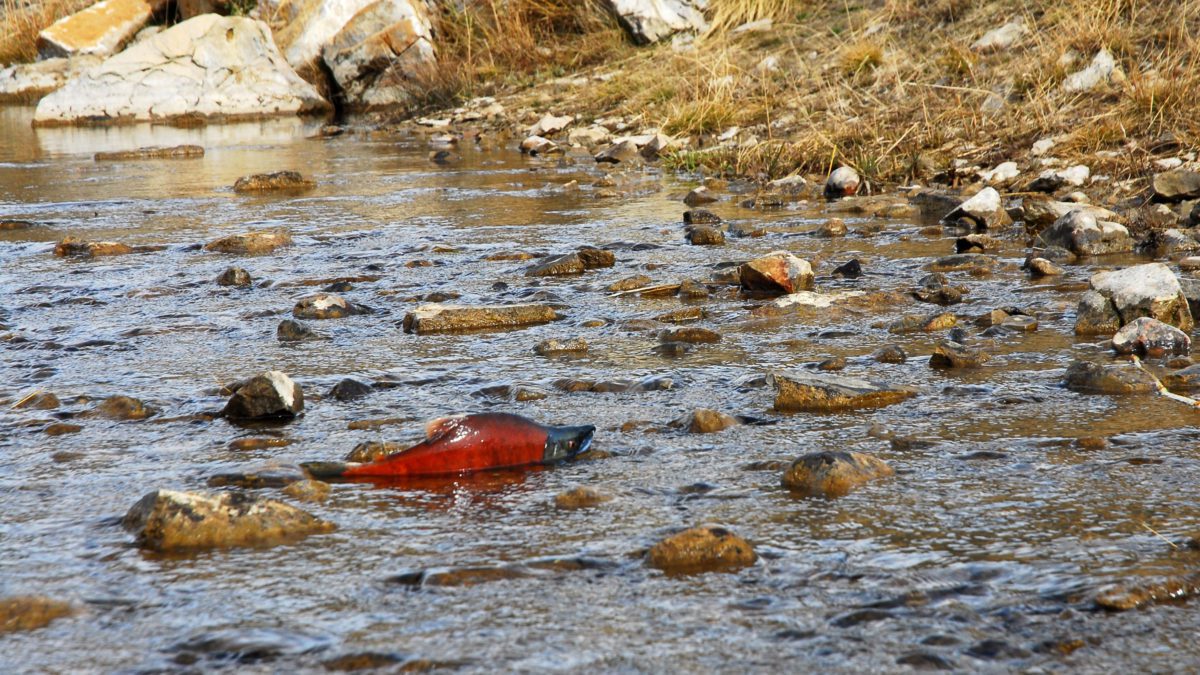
<point x="965" y="499"/>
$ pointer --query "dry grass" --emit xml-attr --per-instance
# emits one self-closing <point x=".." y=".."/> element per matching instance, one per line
<point x="21" y="21"/>
<point x="725" y="15"/>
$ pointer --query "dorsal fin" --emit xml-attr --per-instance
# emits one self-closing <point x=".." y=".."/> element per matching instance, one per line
<point x="437" y="427"/>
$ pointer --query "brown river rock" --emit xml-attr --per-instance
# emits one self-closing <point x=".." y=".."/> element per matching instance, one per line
<point x="708" y="548"/>
<point x="30" y="612"/>
<point x="798" y="391"/>
<point x="582" y="497"/>
<point x="436" y="318"/>
<point x="72" y="246"/>
<point x="250" y="243"/>
<point x="174" y="152"/>
<point x="166" y="520"/>
<point x="279" y="181"/>
<point x="833" y="473"/>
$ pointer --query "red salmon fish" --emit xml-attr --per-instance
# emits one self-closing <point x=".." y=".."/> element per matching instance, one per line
<point x="469" y="443"/>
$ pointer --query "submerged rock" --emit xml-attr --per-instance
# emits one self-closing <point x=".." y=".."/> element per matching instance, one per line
<point x="166" y="520"/>
<point x="207" y="67"/>
<point x="815" y="392"/>
<point x="279" y="181"/>
<point x="705" y="421"/>
<point x="833" y="473"/>
<point x="950" y="354"/>
<point x="30" y="612"/>
<point x="268" y="395"/>
<point x="708" y="548"/>
<point x="234" y="276"/>
<point x="1086" y="377"/>
<point x="436" y="318"/>
<point x="1150" y="337"/>
<point x="1122" y="598"/>
<point x="556" y="346"/>
<point x="349" y="389"/>
<point x="121" y="408"/>
<point x="558" y="266"/>
<point x="72" y="246"/>
<point x="140" y="154"/>
<point x="778" y="273"/>
<point x="293" y="331"/>
<point x="250" y="243"/>
<point x="703" y="235"/>
<point x="322" y="306"/>
<point x="580" y="498"/>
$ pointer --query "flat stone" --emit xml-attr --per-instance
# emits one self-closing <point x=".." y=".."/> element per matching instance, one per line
<point x="100" y="30"/>
<point x="166" y="520"/>
<point x="172" y="152"/>
<point x="1177" y="185"/>
<point x="279" y="181"/>
<point x="437" y="318"/>
<point x="250" y="243"/>
<point x="814" y="392"/>
<point x="1086" y="377"/>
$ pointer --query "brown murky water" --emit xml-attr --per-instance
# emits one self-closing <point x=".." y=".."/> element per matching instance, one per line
<point x="964" y="560"/>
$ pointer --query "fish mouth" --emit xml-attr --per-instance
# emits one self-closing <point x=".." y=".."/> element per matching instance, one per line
<point x="566" y="442"/>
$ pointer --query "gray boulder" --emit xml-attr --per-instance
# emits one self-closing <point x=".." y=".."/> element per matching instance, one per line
<point x="1081" y="233"/>
<point x="652" y="20"/>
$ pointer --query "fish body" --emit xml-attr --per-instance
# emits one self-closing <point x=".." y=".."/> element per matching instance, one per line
<point x="470" y="443"/>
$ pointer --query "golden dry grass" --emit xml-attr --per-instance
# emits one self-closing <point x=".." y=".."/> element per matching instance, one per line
<point x="20" y="23"/>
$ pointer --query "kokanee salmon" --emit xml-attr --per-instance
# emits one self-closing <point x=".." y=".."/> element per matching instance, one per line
<point x="470" y="443"/>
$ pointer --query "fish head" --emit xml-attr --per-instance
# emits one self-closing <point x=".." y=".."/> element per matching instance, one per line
<point x="566" y="442"/>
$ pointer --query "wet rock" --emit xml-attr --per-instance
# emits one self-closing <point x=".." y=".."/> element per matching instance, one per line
<point x="693" y="290"/>
<point x="705" y="421"/>
<point x="322" y="306"/>
<point x="349" y="389"/>
<point x="1040" y="267"/>
<point x="621" y="151"/>
<point x="580" y="498"/>
<point x="630" y="283"/>
<point x="843" y="182"/>
<point x="890" y="353"/>
<point x="705" y="236"/>
<point x="436" y="318"/>
<point x="373" y="451"/>
<point x="700" y="196"/>
<point x="832" y="365"/>
<point x="1177" y="185"/>
<point x="1096" y="315"/>
<point x="834" y="227"/>
<point x="121" y="408"/>
<point x="1122" y="598"/>
<point x="1150" y="290"/>
<point x="245" y="647"/>
<point x="556" y="346"/>
<point x="234" y="276"/>
<point x="690" y="335"/>
<point x="1081" y="233"/>
<point x="1086" y="377"/>
<point x="685" y="315"/>
<point x="833" y="473"/>
<point x="38" y="400"/>
<point x="250" y="243"/>
<point x="181" y="72"/>
<point x="279" y="181"/>
<point x="74" y="247"/>
<point x="982" y="211"/>
<point x="100" y="30"/>
<point x="849" y="270"/>
<point x="250" y="444"/>
<point x="708" y="548"/>
<point x="549" y="567"/>
<point x="972" y="263"/>
<point x="1150" y="337"/>
<point x="596" y="258"/>
<point x="1042" y="212"/>
<point x="1186" y="379"/>
<point x="268" y="395"/>
<point x="996" y="649"/>
<point x="929" y="323"/>
<point x="30" y="612"/>
<point x="308" y="490"/>
<point x="827" y="393"/>
<point x="270" y="475"/>
<point x="166" y="520"/>
<point x="925" y="661"/>
<point x="557" y="266"/>
<point x="778" y="273"/>
<point x="293" y="331"/>
<point x="61" y="429"/>
<point x="936" y="289"/>
<point x="1172" y="242"/>
<point x="700" y="217"/>
<point x="9" y="225"/>
<point x="976" y="243"/>
<point x="140" y="154"/>
<point x="949" y="355"/>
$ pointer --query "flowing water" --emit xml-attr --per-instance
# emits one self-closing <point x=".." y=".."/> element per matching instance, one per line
<point x="983" y="553"/>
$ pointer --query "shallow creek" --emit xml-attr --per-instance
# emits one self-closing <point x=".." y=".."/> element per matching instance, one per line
<point x="983" y="553"/>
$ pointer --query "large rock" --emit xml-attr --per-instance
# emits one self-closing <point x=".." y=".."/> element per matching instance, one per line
<point x="212" y="67"/>
<point x="29" y="82"/>
<point x="437" y="318"/>
<point x="778" y="273"/>
<point x="983" y="211"/>
<point x="833" y="473"/>
<point x="1150" y="290"/>
<point x="799" y="391"/>
<point x="1177" y="185"/>
<point x="165" y="520"/>
<point x="1150" y="337"/>
<point x="708" y="548"/>
<point x="268" y="395"/>
<point x="1081" y="233"/>
<point x="100" y="30"/>
<point x="376" y="53"/>
<point x="1086" y="377"/>
<point x="652" y="20"/>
